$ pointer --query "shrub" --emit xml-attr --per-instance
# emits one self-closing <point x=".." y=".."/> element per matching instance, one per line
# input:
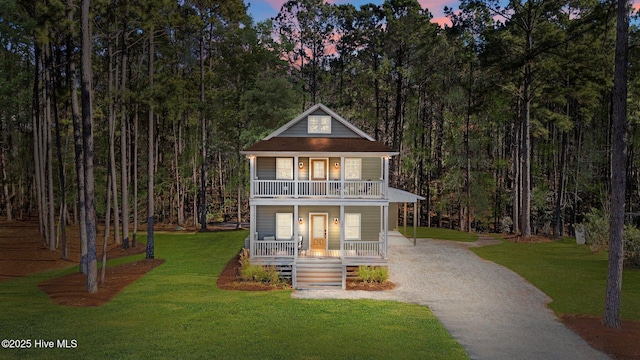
<point x="373" y="274"/>
<point x="506" y="223"/>
<point x="596" y="228"/>
<point x="631" y="246"/>
<point x="259" y="273"/>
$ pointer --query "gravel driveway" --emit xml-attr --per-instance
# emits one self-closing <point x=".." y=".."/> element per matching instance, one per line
<point x="493" y="312"/>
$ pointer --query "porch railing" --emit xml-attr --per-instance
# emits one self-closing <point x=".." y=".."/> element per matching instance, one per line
<point x="273" y="248"/>
<point x="307" y="188"/>
<point x="363" y="249"/>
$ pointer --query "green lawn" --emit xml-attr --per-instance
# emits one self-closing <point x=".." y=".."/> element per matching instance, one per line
<point x="570" y="274"/>
<point x="176" y="311"/>
<point x="440" y="234"/>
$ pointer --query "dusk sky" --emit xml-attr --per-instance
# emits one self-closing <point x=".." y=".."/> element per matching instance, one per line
<point x="263" y="9"/>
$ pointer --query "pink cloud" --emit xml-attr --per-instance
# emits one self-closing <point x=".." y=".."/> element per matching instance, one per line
<point x="442" y="21"/>
<point x="276" y="4"/>
<point x="436" y="6"/>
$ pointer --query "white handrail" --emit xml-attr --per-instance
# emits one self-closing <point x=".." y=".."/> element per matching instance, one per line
<point x="273" y="248"/>
<point x="330" y="188"/>
<point x="363" y="249"/>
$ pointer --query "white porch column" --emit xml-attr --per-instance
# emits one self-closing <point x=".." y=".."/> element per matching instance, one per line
<point x="415" y="221"/>
<point x="385" y="211"/>
<point x="295" y="180"/>
<point x="341" y="230"/>
<point x="386" y="177"/>
<point x="252" y="228"/>
<point x="341" y="178"/>
<point x="252" y="175"/>
<point x="296" y="229"/>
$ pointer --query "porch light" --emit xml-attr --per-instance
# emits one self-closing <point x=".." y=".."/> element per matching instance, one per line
<point x="336" y="221"/>
<point x="337" y="165"/>
<point x="300" y="165"/>
<point x="300" y="221"/>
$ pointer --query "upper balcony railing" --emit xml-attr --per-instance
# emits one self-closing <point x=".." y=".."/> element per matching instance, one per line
<point x="306" y="188"/>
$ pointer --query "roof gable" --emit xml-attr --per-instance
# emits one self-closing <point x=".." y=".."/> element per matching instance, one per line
<point x="339" y="126"/>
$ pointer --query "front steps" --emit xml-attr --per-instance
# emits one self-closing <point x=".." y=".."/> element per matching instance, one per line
<point x="318" y="274"/>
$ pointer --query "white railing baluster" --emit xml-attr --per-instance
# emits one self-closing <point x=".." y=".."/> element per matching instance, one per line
<point x="274" y="248"/>
<point x="363" y="249"/>
<point x="331" y="188"/>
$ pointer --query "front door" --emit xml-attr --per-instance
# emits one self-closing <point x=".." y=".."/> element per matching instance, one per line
<point x="318" y="231"/>
<point x="318" y="169"/>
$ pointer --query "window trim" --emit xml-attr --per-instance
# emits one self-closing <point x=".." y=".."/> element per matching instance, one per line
<point x="290" y="168"/>
<point x="289" y="218"/>
<point x="319" y="119"/>
<point x="347" y="227"/>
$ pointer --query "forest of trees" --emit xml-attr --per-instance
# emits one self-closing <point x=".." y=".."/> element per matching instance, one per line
<point x="502" y="119"/>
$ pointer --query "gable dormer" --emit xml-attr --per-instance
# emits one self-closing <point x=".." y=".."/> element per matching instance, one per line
<point x="319" y="121"/>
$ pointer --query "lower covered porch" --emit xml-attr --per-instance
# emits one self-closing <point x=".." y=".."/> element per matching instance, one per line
<point x="317" y="243"/>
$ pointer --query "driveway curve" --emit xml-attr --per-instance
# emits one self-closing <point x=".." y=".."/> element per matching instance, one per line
<point x="493" y="312"/>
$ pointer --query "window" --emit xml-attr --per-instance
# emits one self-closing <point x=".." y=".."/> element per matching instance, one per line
<point x="284" y="168"/>
<point x="319" y="124"/>
<point x="352" y="226"/>
<point x="284" y="226"/>
<point x="352" y="169"/>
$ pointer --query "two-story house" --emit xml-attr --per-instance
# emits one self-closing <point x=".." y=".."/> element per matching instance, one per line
<point x="319" y="199"/>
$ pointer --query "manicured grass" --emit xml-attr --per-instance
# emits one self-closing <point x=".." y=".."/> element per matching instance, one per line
<point x="440" y="234"/>
<point x="570" y="274"/>
<point x="176" y="311"/>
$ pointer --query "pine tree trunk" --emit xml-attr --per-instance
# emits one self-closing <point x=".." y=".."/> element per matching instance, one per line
<point x="113" y="75"/>
<point x="87" y="134"/>
<point x="78" y="149"/>
<point x="150" y="167"/>
<point x="5" y="186"/>
<point x="525" y="215"/>
<point x="135" y="179"/>
<point x="124" y="180"/>
<point x="48" y="148"/>
<point x="203" y="174"/>
<point x="558" y="229"/>
<point x="611" y="316"/>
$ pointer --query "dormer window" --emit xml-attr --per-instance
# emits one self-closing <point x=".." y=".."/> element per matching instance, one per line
<point x="319" y="124"/>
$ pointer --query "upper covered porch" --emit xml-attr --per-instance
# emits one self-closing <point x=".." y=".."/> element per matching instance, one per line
<point x="319" y="176"/>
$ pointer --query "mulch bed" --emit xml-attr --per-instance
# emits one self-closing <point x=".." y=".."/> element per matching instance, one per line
<point x="621" y="344"/>
<point x="71" y="290"/>
<point x="229" y="279"/>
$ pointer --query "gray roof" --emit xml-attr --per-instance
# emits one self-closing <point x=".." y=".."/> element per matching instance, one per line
<point x="401" y="196"/>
